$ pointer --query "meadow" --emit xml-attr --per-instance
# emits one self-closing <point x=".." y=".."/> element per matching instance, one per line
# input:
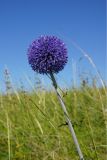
<point x="33" y="127"/>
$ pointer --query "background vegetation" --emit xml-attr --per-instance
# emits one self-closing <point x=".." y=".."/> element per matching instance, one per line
<point x="32" y="124"/>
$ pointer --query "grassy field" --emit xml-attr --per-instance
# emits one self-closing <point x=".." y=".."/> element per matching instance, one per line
<point x="32" y="125"/>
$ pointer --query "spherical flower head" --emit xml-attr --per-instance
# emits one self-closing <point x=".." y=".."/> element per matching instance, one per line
<point x="48" y="54"/>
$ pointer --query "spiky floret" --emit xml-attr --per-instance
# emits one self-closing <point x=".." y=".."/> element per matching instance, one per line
<point x="47" y="54"/>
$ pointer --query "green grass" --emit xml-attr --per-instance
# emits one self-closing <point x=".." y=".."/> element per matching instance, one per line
<point x="30" y="125"/>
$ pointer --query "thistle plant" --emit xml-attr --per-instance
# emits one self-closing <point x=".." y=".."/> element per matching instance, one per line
<point x="48" y="55"/>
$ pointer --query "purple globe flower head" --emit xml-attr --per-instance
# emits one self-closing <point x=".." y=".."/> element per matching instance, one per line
<point x="48" y="54"/>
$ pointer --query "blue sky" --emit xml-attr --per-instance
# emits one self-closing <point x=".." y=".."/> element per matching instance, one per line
<point x="21" y="21"/>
